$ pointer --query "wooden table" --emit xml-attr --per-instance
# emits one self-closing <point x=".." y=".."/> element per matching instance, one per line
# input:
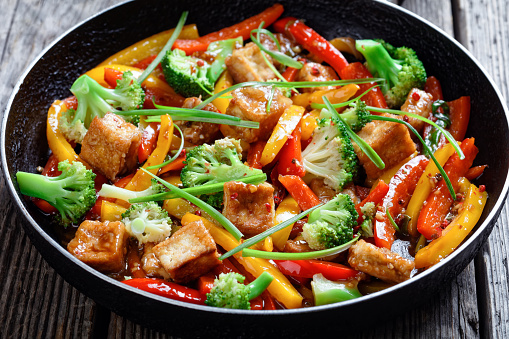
<point x="37" y="302"/>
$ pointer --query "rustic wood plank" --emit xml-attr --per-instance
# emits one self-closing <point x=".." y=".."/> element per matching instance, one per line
<point x="484" y="33"/>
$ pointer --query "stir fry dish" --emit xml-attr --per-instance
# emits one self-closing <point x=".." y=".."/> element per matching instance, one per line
<point x="259" y="167"/>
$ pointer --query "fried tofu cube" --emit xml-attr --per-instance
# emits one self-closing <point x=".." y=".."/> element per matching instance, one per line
<point x="312" y="71"/>
<point x="197" y="132"/>
<point x="380" y="262"/>
<point x="100" y="245"/>
<point x="247" y="64"/>
<point x="188" y="253"/>
<point x="249" y="207"/>
<point x="420" y="103"/>
<point x="150" y="264"/>
<point x="249" y="103"/>
<point x="111" y="145"/>
<point x="390" y="140"/>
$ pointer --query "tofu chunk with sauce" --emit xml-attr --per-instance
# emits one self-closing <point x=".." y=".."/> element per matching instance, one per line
<point x="313" y="71"/>
<point x="420" y="103"/>
<point x="151" y="265"/>
<point x="111" y="145"/>
<point x="247" y="64"/>
<point x="390" y="140"/>
<point x="188" y="253"/>
<point x="196" y="132"/>
<point x="250" y="103"/>
<point x="100" y="245"/>
<point x="379" y="262"/>
<point x="249" y="207"/>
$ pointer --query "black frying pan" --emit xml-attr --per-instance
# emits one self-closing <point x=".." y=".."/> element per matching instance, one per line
<point x="23" y="146"/>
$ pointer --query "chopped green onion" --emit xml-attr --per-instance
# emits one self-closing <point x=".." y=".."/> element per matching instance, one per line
<point x="166" y="48"/>
<point x="389" y="216"/>
<point x="176" y="154"/>
<point x="199" y="190"/>
<point x="316" y="105"/>
<point x="426" y="120"/>
<point x="227" y="224"/>
<point x="259" y="237"/>
<point x="363" y="145"/>
<point x="278" y="56"/>
<point x="414" y="131"/>
<point x="248" y="252"/>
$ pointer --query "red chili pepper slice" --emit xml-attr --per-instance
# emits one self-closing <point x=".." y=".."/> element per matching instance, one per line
<point x="308" y="268"/>
<point x="148" y="141"/>
<point x="459" y="111"/>
<point x="167" y="289"/>
<point x="290" y="160"/>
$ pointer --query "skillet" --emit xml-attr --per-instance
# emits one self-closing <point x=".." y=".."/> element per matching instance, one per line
<point x="23" y="146"/>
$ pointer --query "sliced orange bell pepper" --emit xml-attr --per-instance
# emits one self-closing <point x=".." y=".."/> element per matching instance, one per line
<point x="308" y="124"/>
<point x="111" y="211"/>
<point x="287" y="209"/>
<point x="149" y="46"/>
<point x="141" y="179"/>
<point x="285" y="126"/>
<point x="456" y="231"/>
<point x="225" y="81"/>
<point x="335" y="96"/>
<point x="280" y="288"/>
<point x="301" y="192"/>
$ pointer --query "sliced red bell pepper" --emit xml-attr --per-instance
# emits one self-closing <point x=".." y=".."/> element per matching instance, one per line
<point x="433" y="87"/>
<point x="475" y="172"/>
<point x="148" y="141"/>
<point x="167" y="289"/>
<point x="308" y="268"/>
<point x="301" y="192"/>
<point x="279" y="190"/>
<point x="175" y="165"/>
<point x="205" y="283"/>
<point x="401" y="187"/>
<point x="111" y="76"/>
<point x="357" y="70"/>
<point x="255" y="154"/>
<point x="439" y="201"/>
<point x="50" y="170"/>
<point x="459" y="111"/>
<point x="376" y="196"/>
<point x="312" y="41"/>
<point x="242" y="29"/>
<point x="290" y="74"/>
<point x="143" y="64"/>
<point x="290" y="160"/>
<point x="161" y="97"/>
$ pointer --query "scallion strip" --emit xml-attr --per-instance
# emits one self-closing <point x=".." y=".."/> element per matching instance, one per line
<point x="316" y="105"/>
<point x="227" y="224"/>
<point x="278" y="56"/>
<point x="176" y="154"/>
<point x="414" y="131"/>
<point x="389" y="216"/>
<point x="248" y="252"/>
<point x="426" y="120"/>
<point x="241" y="123"/>
<point x="166" y="48"/>
<point x="199" y="190"/>
<point x="363" y="145"/>
<point x="259" y="237"/>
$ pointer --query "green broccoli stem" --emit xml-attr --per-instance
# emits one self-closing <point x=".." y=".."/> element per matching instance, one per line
<point x="328" y="292"/>
<point x="166" y="48"/>
<point x="42" y="187"/>
<point x="248" y="252"/>
<point x="260" y="284"/>
<point x="198" y="190"/>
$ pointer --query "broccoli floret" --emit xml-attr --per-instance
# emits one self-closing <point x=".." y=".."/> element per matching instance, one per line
<point x="368" y="214"/>
<point x="332" y="224"/>
<point x="215" y="200"/>
<point x="229" y="290"/>
<point x="210" y="164"/>
<point x="95" y="100"/>
<point x="111" y="191"/>
<point x="187" y="75"/>
<point x="72" y="193"/>
<point x="331" y="155"/>
<point x="401" y="68"/>
<point x="356" y="116"/>
<point x="147" y="221"/>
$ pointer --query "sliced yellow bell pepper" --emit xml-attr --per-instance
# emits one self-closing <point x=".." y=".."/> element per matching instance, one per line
<point x="424" y="187"/>
<point x="141" y="179"/>
<point x="280" y="288"/>
<point x="224" y="81"/>
<point x="266" y="245"/>
<point x="56" y="140"/>
<point x="284" y="128"/>
<point x="149" y="46"/>
<point x="179" y="207"/>
<point x="111" y="211"/>
<point x="457" y="230"/>
<point x="308" y="124"/>
<point x="388" y="174"/>
<point x="287" y="209"/>
<point x="335" y="96"/>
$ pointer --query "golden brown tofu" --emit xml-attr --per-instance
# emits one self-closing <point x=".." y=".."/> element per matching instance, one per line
<point x="420" y="103"/>
<point x="247" y="64"/>
<point x="379" y="262"/>
<point x="312" y="71"/>
<point x="100" y="245"/>
<point x="250" y="103"/>
<point x="196" y="132"/>
<point x="151" y="265"/>
<point x="249" y="207"/>
<point x="322" y="191"/>
<point x="111" y="145"/>
<point x="188" y="253"/>
<point x="288" y="46"/>
<point x="390" y="140"/>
